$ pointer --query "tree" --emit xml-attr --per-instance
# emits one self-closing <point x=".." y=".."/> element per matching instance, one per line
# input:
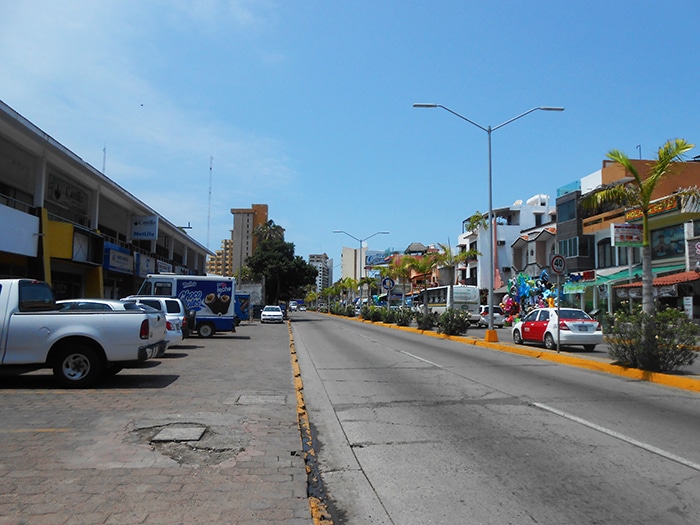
<point x="638" y="194"/>
<point x="284" y="273"/>
<point x="402" y="271"/>
<point x="268" y="231"/>
<point x="423" y="265"/>
<point x="370" y="283"/>
<point x="450" y="260"/>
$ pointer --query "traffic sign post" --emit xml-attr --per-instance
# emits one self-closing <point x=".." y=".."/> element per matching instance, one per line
<point x="388" y="284"/>
<point x="558" y="266"/>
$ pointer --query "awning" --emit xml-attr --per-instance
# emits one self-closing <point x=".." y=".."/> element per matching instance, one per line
<point x="667" y="280"/>
<point x="619" y="276"/>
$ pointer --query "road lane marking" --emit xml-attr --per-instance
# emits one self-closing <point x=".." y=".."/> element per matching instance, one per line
<point x="419" y="358"/>
<point x="621" y="437"/>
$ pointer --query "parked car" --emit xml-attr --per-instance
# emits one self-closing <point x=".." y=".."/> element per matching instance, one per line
<point x="99" y="305"/>
<point x="576" y="327"/>
<point x="271" y="314"/>
<point x="499" y="318"/>
<point x="80" y="346"/>
<point x="175" y="314"/>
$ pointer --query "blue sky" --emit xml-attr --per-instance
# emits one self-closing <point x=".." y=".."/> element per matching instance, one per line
<point x="307" y="105"/>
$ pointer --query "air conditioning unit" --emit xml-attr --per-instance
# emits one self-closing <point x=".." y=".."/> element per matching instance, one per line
<point x="501" y="243"/>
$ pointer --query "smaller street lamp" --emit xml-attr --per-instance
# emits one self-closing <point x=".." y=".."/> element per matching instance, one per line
<point x="361" y="241"/>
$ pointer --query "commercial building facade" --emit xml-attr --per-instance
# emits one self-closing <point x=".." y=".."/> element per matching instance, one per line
<point x="67" y="223"/>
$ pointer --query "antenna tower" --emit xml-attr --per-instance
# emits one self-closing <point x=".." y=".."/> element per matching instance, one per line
<point x="211" y="162"/>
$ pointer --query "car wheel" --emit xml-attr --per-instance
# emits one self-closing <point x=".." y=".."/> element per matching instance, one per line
<point x="517" y="338"/>
<point x="205" y="330"/>
<point x="77" y="367"/>
<point x="549" y="341"/>
<point x="589" y="348"/>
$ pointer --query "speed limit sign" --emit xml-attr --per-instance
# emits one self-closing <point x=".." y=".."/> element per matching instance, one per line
<point x="558" y="264"/>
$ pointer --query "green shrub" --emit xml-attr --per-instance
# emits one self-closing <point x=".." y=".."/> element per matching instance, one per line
<point x="349" y="311"/>
<point x="366" y="312"/>
<point x="375" y="313"/>
<point x="453" y="322"/>
<point x="388" y="315"/>
<point x="426" y="322"/>
<point x="660" y="343"/>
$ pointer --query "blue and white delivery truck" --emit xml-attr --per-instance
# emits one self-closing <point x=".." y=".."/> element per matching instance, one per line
<point x="210" y="296"/>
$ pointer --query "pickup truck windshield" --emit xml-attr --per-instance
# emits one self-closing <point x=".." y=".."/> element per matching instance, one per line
<point x="35" y="296"/>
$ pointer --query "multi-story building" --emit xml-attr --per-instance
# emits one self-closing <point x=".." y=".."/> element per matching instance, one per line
<point x="324" y="265"/>
<point x="245" y="220"/>
<point x="585" y="239"/>
<point x="509" y="223"/>
<point x="74" y="227"/>
<point x="221" y="263"/>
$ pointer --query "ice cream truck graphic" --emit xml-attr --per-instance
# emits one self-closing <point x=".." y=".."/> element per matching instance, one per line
<point x="211" y="297"/>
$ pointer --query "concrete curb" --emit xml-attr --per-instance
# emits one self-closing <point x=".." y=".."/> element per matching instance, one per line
<point x="315" y="491"/>
<point x="590" y="363"/>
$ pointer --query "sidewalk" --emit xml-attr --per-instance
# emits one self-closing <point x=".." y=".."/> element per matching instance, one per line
<point x="208" y="434"/>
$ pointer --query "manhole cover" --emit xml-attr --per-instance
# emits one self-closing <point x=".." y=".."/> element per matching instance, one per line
<point x="174" y="433"/>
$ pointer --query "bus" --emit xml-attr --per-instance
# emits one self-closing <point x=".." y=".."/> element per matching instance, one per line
<point x="466" y="298"/>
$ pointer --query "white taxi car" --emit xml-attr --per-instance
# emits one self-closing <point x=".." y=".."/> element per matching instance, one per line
<point x="574" y="327"/>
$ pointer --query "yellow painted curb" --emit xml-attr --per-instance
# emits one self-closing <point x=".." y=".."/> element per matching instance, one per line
<point x="318" y="508"/>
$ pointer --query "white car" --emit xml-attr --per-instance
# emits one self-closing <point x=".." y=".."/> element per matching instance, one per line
<point x="174" y="310"/>
<point x="499" y="319"/>
<point x="575" y="327"/>
<point x="271" y="314"/>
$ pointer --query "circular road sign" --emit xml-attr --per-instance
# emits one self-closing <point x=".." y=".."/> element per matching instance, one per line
<point x="558" y="264"/>
<point x="388" y="283"/>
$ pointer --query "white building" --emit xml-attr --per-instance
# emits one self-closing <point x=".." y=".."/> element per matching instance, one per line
<point x="533" y="216"/>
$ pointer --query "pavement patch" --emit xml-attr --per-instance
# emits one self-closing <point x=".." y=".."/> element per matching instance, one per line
<point x="180" y="434"/>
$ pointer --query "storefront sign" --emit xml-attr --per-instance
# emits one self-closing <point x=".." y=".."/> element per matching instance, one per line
<point x="68" y="194"/>
<point x="144" y="228"/>
<point x="145" y="265"/>
<point x="626" y="234"/>
<point x="118" y="259"/>
<point x="662" y="206"/>
<point x="164" y="267"/>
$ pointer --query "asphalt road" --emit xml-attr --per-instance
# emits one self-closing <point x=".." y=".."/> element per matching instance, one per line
<point x="413" y="429"/>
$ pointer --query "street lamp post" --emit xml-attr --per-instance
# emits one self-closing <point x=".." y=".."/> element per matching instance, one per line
<point x="361" y="241"/>
<point x="490" y="333"/>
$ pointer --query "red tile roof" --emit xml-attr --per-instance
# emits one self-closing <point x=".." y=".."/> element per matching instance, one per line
<point x="667" y="280"/>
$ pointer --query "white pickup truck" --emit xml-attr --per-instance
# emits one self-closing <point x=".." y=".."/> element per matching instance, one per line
<point x="80" y="347"/>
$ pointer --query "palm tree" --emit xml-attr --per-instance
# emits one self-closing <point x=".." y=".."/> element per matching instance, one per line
<point x="638" y="194"/>
<point x="423" y="265"/>
<point x="269" y="231"/>
<point x="450" y="260"/>
<point x="369" y="282"/>
<point x="403" y="272"/>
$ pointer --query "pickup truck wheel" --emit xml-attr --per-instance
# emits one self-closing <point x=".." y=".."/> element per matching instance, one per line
<point x="205" y="330"/>
<point x="77" y="367"/>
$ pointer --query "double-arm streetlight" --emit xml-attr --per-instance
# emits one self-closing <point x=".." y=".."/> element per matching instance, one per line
<point x="490" y="333"/>
<point x="361" y="262"/>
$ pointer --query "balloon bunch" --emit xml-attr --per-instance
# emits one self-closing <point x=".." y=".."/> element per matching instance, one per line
<point x="525" y="292"/>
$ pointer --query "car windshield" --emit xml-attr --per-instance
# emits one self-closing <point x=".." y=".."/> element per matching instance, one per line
<point x="574" y="314"/>
<point x="271" y="309"/>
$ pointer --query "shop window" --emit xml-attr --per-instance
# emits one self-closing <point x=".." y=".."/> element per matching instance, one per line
<point x="605" y="254"/>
